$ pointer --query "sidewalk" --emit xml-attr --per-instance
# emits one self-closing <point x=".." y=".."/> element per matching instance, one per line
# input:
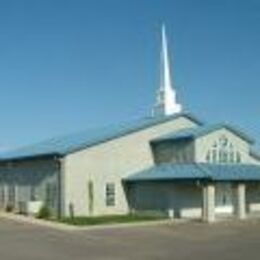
<point x="35" y="221"/>
<point x="66" y="227"/>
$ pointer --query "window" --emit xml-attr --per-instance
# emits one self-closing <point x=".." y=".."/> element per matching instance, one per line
<point x="32" y="193"/>
<point x="225" y="156"/>
<point x="208" y="157"/>
<point x="223" y="151"/>
<point x="232" y="156"/>
<point x="51" y="195"/>
<point x="238" y="157"/>
<point x="214" y="156"/>
<point x="2" y="195"/>
<point x="110" y="194"/>
<point x="12" y="195"/>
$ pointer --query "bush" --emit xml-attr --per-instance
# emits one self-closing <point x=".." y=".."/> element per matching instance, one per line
<point x="44" y="212"/>
<point x="9" y="208"/>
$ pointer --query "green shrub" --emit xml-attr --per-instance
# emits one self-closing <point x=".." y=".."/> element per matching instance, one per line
<point x="44" y="212"/>
<point x="9" y="208"/>
<point x="109" y="219"/>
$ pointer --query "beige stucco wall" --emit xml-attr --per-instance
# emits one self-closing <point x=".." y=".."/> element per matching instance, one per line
<point x="110" y="162"/>
<point x="204" y="143"/>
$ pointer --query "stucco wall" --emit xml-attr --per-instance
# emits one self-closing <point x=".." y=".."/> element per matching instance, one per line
<point x="110" y="162"/>
<point x="23" y="175"/>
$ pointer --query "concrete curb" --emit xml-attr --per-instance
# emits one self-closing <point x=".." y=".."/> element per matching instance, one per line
<point x="67" y="227"/>
<point x="35" y="221"/>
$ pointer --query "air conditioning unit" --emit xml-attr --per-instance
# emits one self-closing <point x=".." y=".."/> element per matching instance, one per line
<point x="30" y="208"/>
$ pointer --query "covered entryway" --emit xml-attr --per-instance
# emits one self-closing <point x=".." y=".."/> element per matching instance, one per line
<point x="207" y="191"/>
<point x="234" y="203"/>
<point x="224" y="199"/>
<point x="177" y="199"/>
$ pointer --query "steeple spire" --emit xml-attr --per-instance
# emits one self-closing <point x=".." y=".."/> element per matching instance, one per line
<point x="166" y="103"/>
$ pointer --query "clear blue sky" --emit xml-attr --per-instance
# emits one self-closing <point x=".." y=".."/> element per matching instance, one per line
<point x="69" y="65"/>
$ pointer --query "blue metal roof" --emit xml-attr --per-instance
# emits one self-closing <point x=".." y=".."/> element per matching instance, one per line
<point x="67" y="144"/>
<point x="168" y="172"/>
<point x="200" y="171"/>
<point x="192" y="133"/>
<point x="234" y="172"/>
<point x="255" y="153"/>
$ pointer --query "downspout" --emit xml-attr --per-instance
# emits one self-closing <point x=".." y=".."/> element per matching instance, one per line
<point x="61" y="186"/>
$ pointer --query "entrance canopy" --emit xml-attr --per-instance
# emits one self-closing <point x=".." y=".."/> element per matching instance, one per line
<point x="198" y="171"/>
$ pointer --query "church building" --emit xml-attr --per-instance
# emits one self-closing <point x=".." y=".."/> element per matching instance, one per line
<point x="170" y="163"/>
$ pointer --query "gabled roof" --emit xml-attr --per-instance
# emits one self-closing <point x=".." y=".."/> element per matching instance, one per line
<point x="198" y="171"/>
<point x="193" y="133"/>
<point x="68" y="144"/>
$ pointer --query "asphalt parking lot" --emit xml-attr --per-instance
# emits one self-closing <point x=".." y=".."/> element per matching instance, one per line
<point x="225" y="240"/>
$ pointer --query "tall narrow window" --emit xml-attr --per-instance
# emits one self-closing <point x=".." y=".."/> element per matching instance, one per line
<point x="110" y="194"/>
<point x="12" y="195"/>
<point x="214" y="156"/>
<point x="51" y="195"/>
<point x="232" y="159"/>
<point x="208" y="157"/>
<point x="32" y="193"/>
<point x="2" y="196"/>
<point x="238" y="157"/>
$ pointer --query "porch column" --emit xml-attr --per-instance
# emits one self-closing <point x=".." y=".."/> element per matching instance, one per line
<point x="240" y="201"/>
<point x="208" y="208"/>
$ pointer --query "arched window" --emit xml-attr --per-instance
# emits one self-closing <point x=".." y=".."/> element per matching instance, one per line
<point x="223" y="151"/>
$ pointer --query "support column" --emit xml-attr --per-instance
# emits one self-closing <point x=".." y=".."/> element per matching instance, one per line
<point x="240" y="201"/>
<point x="208" y="208"/>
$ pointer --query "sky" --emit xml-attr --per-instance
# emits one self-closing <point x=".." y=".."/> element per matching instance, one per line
<point x="66" y="66"/>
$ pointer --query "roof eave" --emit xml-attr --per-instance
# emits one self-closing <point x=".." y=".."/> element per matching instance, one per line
<point x="31" y="157"/>
<point x="233" y="129"/>
<point x="162" y="140"/>
<point x="160" y="121"/>
<point x="183" y="179"/>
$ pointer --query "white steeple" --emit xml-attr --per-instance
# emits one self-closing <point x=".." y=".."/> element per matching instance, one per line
<point x="166" y="103"/>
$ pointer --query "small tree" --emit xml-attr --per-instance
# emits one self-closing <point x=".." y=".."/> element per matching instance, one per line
<point x="44" y="212"/>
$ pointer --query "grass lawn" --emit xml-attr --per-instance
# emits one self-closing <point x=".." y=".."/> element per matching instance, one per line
<point x="112" y="219"/>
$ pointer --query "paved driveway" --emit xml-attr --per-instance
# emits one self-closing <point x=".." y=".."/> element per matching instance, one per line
<point x="230" y="240"/>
